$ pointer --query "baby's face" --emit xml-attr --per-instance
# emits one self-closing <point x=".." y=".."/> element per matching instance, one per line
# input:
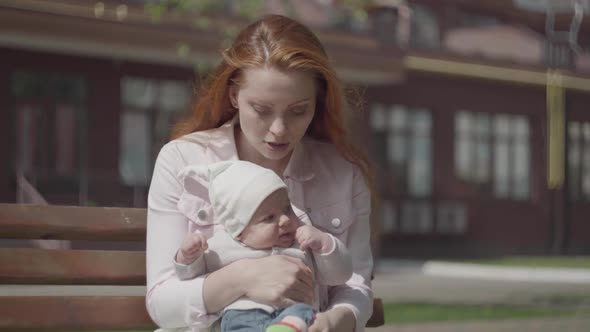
<point x="273" y="225"/>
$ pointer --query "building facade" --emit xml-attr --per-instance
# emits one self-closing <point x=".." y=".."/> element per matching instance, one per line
<point x="459" y="119"/>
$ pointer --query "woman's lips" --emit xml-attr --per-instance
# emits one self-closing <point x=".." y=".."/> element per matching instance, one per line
<point x="277" y="146"/>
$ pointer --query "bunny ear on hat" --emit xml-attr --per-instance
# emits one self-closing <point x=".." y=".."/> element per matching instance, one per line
<point x="195" y="180"/>
<point x="199" y="175"/>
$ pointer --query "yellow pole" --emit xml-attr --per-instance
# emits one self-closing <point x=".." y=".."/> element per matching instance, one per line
<point x="556" y="129"/>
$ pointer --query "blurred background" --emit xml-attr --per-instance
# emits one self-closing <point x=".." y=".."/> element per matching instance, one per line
<point x="475" y="112"/>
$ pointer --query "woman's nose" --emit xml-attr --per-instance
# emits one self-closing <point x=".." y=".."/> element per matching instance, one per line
<point x="278" y="127"/>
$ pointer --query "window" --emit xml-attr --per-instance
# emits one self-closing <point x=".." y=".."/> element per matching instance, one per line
<point x="493" y="151"/>
<point x="150" y="109"/>
<point x="403" y="139"/>
<point x="388" y="217"/>
<point x="49" y="113"/>
<point x="416" y="217"/>
<point x="579" y="160"/>
<point x="403" y="143"/>
<point x="424" y="28"/>
<point x="472" y="146"/>
<point x="451" y="217"/>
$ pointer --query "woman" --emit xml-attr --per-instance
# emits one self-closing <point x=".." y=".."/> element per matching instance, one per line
<point x="275" y="101"/>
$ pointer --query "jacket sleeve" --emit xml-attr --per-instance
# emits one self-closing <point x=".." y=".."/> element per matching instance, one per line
<point x="192" y="270"/>
<point x="356" y="293"/>
<point x="170" y="302"/>
<point x="334" y="267"/>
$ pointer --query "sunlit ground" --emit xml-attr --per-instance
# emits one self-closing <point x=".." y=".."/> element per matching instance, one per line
<point x="582" y="262"/>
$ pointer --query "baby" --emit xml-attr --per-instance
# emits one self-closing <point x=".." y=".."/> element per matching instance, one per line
<point x="252" y="203"/>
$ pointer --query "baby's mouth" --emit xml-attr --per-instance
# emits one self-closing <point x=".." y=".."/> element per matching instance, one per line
<point x="287" y="237"/>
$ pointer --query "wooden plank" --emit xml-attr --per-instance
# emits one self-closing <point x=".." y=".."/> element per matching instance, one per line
<point x="71" y="267"/>
<point x="73" y="313"/>
<point x="24" y="221"/>
<point x="378" y="317"/>
<point x="91" y="313"/>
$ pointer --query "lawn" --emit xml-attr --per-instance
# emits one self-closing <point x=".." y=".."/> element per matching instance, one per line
<point x="399" y="313"/>
<point x="581" y="262"/>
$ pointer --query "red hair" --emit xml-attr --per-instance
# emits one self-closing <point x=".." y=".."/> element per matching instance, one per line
<point x="288" y="45"/>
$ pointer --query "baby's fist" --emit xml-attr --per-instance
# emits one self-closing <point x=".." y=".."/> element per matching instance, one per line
<point x="192" y="247"/>
<point x="310" y="237"/>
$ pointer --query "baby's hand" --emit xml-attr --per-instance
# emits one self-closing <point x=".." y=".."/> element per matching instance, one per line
<point x="193" y="246"/>
<point x="311" y="237"/>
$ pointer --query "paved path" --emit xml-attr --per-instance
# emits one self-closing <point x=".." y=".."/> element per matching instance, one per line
<point x="405" y="281"/>
<point x="575" y="324"/>
<point x="415" y="287"/>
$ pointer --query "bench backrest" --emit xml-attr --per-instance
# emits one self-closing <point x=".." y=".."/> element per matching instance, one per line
<point x="30" y="266"/>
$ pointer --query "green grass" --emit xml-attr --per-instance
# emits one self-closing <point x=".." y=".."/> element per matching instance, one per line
<point x="582" y="262"/>
<point x="408" y="313"/>
<point x="399" y="313"/>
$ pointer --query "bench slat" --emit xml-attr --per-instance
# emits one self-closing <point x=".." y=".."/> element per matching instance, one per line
<point x="73" y="313"/>
<point x="81" y="313"/>
<point x="71" y="267"/>
<point x="23" y="221"/>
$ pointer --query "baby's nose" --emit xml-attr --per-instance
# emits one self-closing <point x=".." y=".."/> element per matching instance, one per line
<point x="285" y="221"/>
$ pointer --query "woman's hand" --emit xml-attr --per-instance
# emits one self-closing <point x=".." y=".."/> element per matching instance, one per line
<point x="338" y="319"/>
<point x="278" y="280"/>
<point x="275" y="280"/>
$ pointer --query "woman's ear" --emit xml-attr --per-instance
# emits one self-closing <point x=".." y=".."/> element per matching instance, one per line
<point x="233" y="96"/>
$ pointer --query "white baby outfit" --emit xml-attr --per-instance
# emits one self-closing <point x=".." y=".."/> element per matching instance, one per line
<point x="236" y="189"/>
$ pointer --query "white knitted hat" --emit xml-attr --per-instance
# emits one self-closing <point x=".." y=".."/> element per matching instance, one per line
<point x="236" y="189"/>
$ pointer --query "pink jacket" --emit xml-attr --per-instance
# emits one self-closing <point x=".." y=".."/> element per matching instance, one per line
<point x="330" y="189"/>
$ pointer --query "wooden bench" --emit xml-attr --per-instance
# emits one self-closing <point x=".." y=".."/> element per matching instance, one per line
<point x="79" y="309"/>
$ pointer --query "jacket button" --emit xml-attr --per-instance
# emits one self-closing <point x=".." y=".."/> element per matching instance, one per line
<point x="336" y="222"/>
<point x="202" y="215"/>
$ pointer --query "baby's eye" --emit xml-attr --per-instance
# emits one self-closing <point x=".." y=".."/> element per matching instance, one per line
<point x="288" y="210"/>
<point x="270" y="218"/>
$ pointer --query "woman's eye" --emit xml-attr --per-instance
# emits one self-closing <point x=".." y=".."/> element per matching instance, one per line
<point x="299" y="110"/>
<point x="260" y="110"/>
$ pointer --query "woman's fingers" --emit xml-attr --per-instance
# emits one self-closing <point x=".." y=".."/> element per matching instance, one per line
<point x="303" y="272"/>
<point x="300" y="287"/>
<point x="300" y="291"/>
<point x="320" y="324"/>
<point x="285" y="280"/>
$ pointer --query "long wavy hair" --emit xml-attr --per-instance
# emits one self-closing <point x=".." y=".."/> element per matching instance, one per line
<point x="278" y="41"/>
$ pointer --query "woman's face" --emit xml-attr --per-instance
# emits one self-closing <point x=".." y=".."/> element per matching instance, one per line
<point x="275" y="109"/>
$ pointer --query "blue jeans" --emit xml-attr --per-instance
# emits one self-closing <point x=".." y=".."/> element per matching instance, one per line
<point x="257" y="320"/>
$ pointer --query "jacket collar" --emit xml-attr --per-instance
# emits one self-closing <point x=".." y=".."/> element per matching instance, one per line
<point x="299" y="166"/>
